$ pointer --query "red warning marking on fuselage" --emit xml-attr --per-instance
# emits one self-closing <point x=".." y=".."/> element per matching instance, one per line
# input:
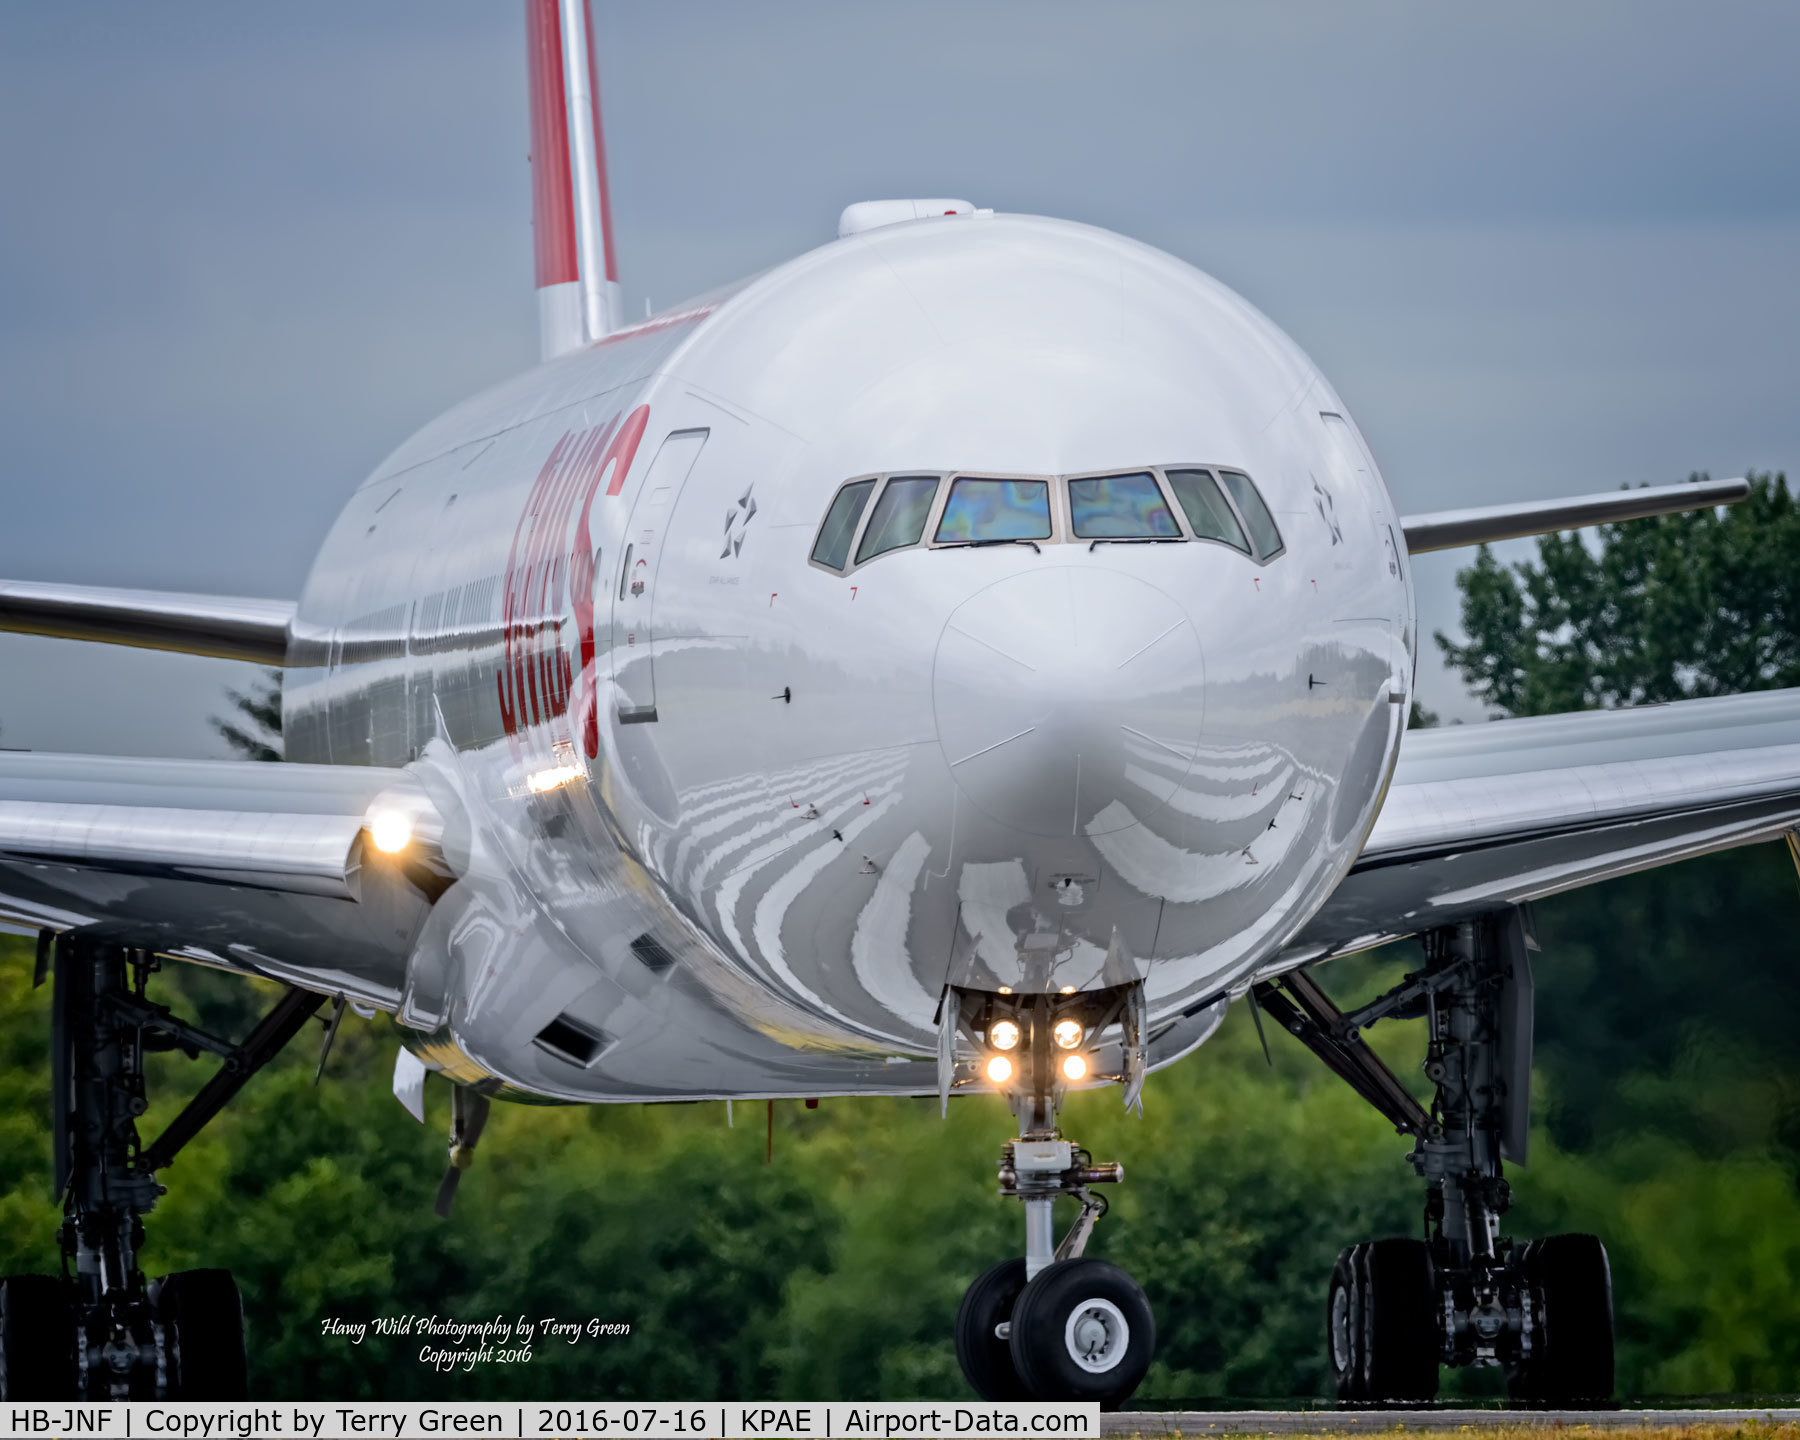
<point x="537" y="677"/>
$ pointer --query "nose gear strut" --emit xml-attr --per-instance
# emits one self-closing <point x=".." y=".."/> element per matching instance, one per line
<point x="1054" y="1324"/>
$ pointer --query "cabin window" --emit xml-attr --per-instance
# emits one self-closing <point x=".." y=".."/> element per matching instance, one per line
<point x="899" y="517"/>
<point x="832" y="548"/>
<point x="988" y="511"/>
<point x="1121" y="507"/>
<point x="1208" y="512"/>
<point x="1257" y="519"/>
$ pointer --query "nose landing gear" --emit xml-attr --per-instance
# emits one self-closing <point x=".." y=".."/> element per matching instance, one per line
<point x="1052" y="1324"/>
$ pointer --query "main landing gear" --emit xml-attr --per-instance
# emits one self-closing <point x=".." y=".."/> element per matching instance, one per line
<point x="102" y="1331"/>
<point x="1465" y="1294"/>
<point x="1053" y="1324"/>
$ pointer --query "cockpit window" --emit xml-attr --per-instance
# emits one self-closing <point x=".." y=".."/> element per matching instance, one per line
<point x="1261" y="523"/>
<point x="981" y="510"/>
<point x="1208" y="513"/>
<point x="899" y="516"/>
<point x="839" y="529"/>
<point x="1120" y="507"/>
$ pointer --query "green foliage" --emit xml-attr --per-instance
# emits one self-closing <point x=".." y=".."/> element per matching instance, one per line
<point x="261" y="713"/>
<point x="1671" y="608"/>
<point x="837" y="1270"/>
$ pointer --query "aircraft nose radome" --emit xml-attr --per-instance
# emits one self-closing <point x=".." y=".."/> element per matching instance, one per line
<point x="1069" y="701"/>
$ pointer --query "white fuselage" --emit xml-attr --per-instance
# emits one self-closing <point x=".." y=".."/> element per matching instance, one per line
<point x="738" y="818"/>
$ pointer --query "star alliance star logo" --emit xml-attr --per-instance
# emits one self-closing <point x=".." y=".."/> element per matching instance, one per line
<point x="737" y="520"/>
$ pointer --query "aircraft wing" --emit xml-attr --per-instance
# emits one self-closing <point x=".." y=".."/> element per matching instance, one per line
<point x="275" y="869"/>
<point x="1449" y="529"/>
<point x="1482" y="816"/>
<point x="229" y="626"/>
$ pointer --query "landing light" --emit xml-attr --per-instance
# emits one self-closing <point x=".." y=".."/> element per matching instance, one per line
<point x="1074" y="1067"/>
<point x="1003" y="1034"/>
<point x="552" y="779"/>
<point x="391" y="831"/>
<point x="1068" y="990"/>
<point x="999" y="1069"/>
<point x="1068" y="1034"/>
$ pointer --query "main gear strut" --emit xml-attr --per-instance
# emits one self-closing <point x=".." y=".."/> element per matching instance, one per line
<point x="103" y="1331"/>
<point x="1465" y="1294"/>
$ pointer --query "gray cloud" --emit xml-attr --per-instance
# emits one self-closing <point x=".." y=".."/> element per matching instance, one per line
<point x="247" y="249"/>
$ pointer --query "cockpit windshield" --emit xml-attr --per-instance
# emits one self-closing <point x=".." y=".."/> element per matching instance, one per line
<point x="1207" y="511"/>
<point x="878" y="515"/>
<point x="900" y="516"/>
<point x="839" y="529"/>
<point x="983" y="510"/>
<point x="1120" y="507"/>
<point x="1257" y="518"/>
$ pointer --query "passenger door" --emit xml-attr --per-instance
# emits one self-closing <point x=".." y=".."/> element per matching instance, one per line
<point x="634" y="598"/>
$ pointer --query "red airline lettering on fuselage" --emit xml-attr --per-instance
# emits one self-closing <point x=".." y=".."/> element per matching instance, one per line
<point x="537" y="677"/>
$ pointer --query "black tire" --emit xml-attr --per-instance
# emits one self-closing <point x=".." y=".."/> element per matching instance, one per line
<point x="1571" y="1366"/>
<point x="203" y="1327"/>
<point x="1381" y="1324"/>
<point x="1082" y="1330"/>
<point x="37" y="1339"/>
<point x="986" y="1359"/>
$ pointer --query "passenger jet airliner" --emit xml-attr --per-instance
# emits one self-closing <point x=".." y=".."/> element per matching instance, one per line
<point x="961" y="660"/>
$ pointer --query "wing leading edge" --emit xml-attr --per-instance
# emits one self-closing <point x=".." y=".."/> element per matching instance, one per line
<point x="1448" y="529"/>
<point x="1483" y="816"/>
<point x="269" y="869"/>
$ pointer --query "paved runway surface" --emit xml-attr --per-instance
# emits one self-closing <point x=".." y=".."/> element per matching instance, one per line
<point x="1314" y="1422"/>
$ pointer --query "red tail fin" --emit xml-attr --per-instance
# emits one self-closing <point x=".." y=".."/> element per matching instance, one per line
<point x="577" y="270"/>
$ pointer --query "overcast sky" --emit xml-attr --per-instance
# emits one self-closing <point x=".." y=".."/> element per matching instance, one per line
<point x="1540" y="249"/>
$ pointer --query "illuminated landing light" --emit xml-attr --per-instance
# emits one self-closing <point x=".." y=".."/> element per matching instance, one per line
<point x="999" y="1069"/>
<point x="1003" y="1034"/>
<point x="552" y="779"/>
<point x="1074" y="1067"/>
<point x="1006" y="989"/>
<point x="1067" y="1033"/>
<point x="391" y="831"/>
<point x="1068" y="990"/>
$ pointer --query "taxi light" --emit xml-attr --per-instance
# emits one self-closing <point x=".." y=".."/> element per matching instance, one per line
<point x="1068" y="990"/>
<point x="1074" y="1067"/>
<point x="553" y="778"/>
<point x="1006" y="989"/>
<point x="1003" y="1034"/>
<point x="1068" y="1034"/>
<point x="391" y="831"/>
<point x="999" y="1069"/>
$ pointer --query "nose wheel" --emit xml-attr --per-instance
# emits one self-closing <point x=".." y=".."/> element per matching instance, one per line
<point x="1082" y="1330"/>
<point x="984" y="1328"/>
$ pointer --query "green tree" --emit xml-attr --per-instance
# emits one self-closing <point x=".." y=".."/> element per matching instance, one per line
<point x="1671" y="608"/>
<point x="258" y="736"/>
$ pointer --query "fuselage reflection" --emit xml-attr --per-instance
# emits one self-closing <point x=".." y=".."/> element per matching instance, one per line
<point x="996" y="603"/>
